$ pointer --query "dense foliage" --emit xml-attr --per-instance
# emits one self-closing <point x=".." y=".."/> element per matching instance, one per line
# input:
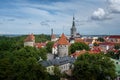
<point x="100" y="39"/>
<point x="78" y="46"/>
<point x="42" y="38"/>
<point x="117" y="46"/>
<point x="21" y="63"/>
<point x="93" y="67"/>
<point x="49" y="47"/>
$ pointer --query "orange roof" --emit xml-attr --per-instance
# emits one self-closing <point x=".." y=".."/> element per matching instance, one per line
<point x="78" y="40"/>
<point x="40" y="45"/>
<point x="114" y="36"/>
<point x="96" y="49"/>
<point x="63" y="40"/>
<point x="30" y="37"/>
<point x="78" y="53"/>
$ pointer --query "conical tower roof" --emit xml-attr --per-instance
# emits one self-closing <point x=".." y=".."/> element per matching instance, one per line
<point x="30" y="37"/>
<point x="63" y="40"/>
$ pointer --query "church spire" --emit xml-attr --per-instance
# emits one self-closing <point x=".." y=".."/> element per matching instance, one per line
<point x="73" y="29"/>
<point x="73" y="24"/>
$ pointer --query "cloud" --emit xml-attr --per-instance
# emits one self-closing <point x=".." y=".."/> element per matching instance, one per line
<point x="11" y="19"/>
<point x="44" y="23"/>
<point x="114" y="6"/>
<point x="100" y="14"/>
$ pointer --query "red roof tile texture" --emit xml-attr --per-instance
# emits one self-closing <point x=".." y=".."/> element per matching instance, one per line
<point x="106" y="43"/>
<point x="114" y="36"/>
<point x="30" y="37"/>
<point x="63" y="40"/>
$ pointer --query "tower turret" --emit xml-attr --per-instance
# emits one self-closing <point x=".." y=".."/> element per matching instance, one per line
<point x="63" y="46"/>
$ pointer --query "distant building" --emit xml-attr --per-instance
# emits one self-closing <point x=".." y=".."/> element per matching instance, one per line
<point x="105" y="46"/>
<point x="63" y="44"/>
<point x="30" y="40"/>
<point x="113" y="38"/>
<point x="73" y="29"/>
<point x="53" y="36"/>
<point x="63" y="63"/>
<point x="74" y="33"/>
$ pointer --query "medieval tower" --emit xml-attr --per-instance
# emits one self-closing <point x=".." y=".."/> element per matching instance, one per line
<point x="30" y="40"/>
<point x="63" y="46"/>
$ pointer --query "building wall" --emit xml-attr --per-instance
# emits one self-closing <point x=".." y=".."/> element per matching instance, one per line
<point x="54" y="50"/>
<point x="62" y="50"/>
<point x="50" y="69"/>
<point x="28" y="44"/>
<point x="64" y="67"/>
<point x="55" y="39"/>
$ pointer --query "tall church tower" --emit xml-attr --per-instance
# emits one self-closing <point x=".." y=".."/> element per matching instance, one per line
<point x="73" y="29"/>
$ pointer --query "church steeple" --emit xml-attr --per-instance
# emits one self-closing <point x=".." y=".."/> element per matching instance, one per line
<point x="73" y="24"/>
<point x="73" y="29"/>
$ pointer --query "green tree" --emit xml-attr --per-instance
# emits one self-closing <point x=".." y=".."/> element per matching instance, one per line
<point x="49" y="46"/>
<point x="42" y="38"/>
<point x="78" y="46"/>
<point x="95" y="44"/>
<point x="93" y="67"/>
<point x="117" y="46"/>
<point x="22" y="64"/>
<point x="100" y="39"/>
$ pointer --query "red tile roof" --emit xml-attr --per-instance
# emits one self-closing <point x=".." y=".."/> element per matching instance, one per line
<point x="78" y="53"/>
<point x="96" y="49"/>
<point x="30" y="37"/>
<point x="79" y="40"/>
<point x="114" y="36"/>
<point x="40" y="45"/>
<point x="106" y="43"/>
<point x="63" y="40"/>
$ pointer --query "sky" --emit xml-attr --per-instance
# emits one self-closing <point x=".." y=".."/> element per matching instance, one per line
<point x="94" y="17"/>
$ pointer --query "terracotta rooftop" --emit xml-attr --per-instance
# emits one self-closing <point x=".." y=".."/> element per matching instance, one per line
<point x="114" y="36"/>
<point x="40" y="45"/>
<point x="88" y="40"/>
<point x="106" y="43"/>
<point x="30" y="37"/>
<point x="78" y="53"/>
<point x="96" y="49"/>
<point x="63" y="40"/>
<point x="79" y="40"/>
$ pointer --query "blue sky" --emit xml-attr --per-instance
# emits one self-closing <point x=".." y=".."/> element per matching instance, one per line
<point x="39" y="16"/>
